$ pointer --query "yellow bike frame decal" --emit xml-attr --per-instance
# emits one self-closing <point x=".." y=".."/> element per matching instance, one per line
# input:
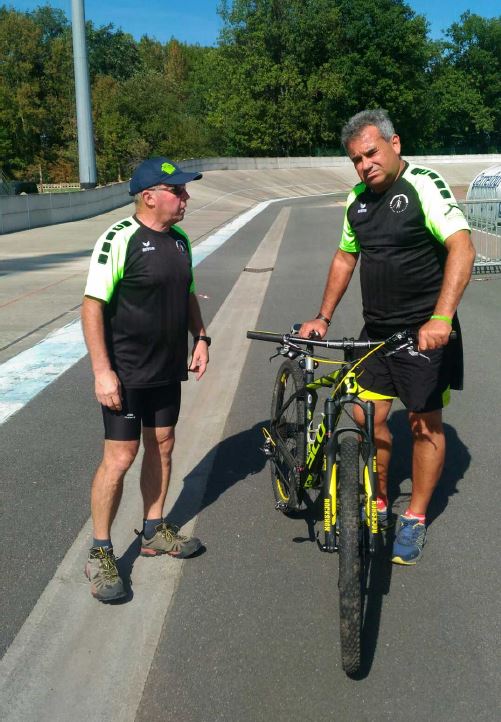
<point x="368" y="497"/>
<point x="327" y="514"/>
<point x="350" y="383"/>
<point x="312" y="451"/>
<point x="332" y="493"/>
<point x="374" y="528"/>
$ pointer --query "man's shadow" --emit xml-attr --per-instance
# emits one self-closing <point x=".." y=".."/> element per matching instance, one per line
<point x="232" y="460"/>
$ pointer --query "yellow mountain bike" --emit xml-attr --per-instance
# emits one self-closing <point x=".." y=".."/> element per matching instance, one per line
<point x="337" y="459"/>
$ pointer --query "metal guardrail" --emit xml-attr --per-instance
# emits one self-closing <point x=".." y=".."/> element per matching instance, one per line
<point x="49" y="187"/>
<point x="484" y="217"/>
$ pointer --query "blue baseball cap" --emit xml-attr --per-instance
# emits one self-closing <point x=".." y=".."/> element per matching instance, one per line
<point x="154" y="171"/>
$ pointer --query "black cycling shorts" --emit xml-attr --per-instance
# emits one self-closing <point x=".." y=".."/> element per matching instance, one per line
<point x="422" y="385"/>
<point x="152" y="407"/>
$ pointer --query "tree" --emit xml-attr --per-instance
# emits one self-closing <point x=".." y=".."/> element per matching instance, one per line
<point x="289" y="73"/>
<point x="273" y="86"/>
<point x="111" y="52"/>
<point x="21" y="68"/>
<point x="467" y="83"/>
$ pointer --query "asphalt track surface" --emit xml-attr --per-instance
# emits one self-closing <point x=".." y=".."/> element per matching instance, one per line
<point x="251" y="632"/>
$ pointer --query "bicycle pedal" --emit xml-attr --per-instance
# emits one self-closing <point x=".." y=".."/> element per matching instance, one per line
<point x="281" y="506"/>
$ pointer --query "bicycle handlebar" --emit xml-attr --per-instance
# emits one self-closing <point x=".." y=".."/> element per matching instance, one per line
<point x="286" y="338"/>
<point x="345" y="343"/>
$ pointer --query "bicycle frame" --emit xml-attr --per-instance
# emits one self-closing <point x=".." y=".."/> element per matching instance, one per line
<point x="322" y="450"/>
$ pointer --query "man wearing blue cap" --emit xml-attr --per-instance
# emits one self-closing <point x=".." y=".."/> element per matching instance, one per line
<point x="138" y="307"/>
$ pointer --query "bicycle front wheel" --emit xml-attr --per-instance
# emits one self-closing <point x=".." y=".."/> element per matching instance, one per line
<point x="287" y="429"/>
<point x="350" y="587"/>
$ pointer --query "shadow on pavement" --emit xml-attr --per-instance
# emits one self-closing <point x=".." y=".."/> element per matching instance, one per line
<point x="457" y="461"/>
<point x="233" y="460"/>
<point x="49" y="260"/>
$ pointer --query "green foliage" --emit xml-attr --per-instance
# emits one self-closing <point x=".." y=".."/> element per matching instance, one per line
<point x="283" y="79"/>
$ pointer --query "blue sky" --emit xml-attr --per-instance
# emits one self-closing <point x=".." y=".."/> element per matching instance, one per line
<point x="198" y="22"/>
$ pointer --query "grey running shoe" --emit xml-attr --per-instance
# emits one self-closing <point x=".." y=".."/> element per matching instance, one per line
<point x="101" y="570"/>
<point x="167" y="540"/>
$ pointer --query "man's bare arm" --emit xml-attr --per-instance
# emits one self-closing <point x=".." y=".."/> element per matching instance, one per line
<point x="200" y="355"/>
<point x="107" y="384"/>
<point x="457" y="273"/>
<point x="339" y="276"/>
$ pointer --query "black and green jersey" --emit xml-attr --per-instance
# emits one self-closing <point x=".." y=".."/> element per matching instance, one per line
<point x="400" y="236"/>
<point x="145" y="278"/>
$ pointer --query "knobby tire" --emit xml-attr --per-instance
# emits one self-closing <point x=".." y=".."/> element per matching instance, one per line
<point x="350" y="589"/>
<point x="288" y="428"/>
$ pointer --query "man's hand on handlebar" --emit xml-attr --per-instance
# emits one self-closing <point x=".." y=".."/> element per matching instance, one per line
<point x="316" y="328"/>
<point x="434" y="334"/>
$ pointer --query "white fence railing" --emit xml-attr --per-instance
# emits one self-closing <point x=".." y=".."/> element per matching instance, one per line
<point x="484" y="217"/>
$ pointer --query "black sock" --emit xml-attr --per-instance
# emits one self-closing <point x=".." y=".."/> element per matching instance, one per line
<point x="149" y="527"/>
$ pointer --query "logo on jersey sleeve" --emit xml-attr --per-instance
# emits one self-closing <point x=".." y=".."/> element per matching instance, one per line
<point x="363" y="208"/>
<point x="180" y="247"/>
<point x="147" y="247"/>
<point x="399" y="203"/>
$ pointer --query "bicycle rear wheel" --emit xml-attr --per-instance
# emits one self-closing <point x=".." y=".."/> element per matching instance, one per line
<point x="350" y="584"/>
<point x="287" y="428"/>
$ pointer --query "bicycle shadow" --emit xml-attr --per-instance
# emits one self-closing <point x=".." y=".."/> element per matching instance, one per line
<point x="378" y="582"/>
<point x="457" y="461"/>
<point x="229" y="462"/>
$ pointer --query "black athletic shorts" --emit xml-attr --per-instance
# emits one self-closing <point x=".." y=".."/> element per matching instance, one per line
<point x="420" y="384"/>
<point x="151" y="407"/>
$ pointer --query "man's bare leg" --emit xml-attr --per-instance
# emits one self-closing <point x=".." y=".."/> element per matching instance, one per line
<point x="156" y="469"/>
<point x="107" y="485"/>
<point x="428" y="455"/>
<point x="155" y="477"/>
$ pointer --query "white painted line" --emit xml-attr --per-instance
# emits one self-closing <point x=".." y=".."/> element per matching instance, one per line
<point x="27" y="374"/>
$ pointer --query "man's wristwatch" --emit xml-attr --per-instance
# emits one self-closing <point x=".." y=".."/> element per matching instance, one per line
<point x="207" y="339"/>
<point x="321" y="317"/>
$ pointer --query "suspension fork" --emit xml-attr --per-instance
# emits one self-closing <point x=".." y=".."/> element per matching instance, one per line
<point x="370" y="473"/>
<point x="330" y="476"/>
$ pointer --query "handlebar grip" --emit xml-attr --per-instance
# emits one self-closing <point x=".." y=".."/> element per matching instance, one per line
<point x="265" y="336"/>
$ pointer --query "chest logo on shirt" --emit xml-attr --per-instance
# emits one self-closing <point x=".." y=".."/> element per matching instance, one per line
<point x="398" y="204"/>
<point x="363" y="208"/>
<point x="180" y="247"/>
<point x="147" y="247"/>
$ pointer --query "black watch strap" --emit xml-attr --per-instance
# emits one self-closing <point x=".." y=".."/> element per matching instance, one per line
<point x="207" y="339"/>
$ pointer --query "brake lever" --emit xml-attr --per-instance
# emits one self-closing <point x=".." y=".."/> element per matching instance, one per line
<point x="412" y="352"/>
<point x="289" y="350"/>
<point x="410" y="348"/>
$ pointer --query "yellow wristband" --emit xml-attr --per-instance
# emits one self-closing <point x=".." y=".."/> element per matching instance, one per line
<point x="442" y="318"/>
